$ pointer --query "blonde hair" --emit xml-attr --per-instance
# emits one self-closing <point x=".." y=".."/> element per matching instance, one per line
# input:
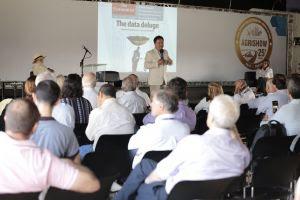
<point x="89" y="80"/>
<point x="214" y="89"/>
<point x="60" y="80"/>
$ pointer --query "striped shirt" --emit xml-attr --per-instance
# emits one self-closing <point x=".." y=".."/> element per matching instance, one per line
<point x="82" y="108"/>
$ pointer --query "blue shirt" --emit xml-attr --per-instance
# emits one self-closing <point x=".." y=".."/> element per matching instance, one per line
<point x="57" y="138"/>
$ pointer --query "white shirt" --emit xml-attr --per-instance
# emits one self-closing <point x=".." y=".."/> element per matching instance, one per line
<point x="144" y="95"/>
<point x="266" y="106"/>
<point x="213" y="155"/>
<point x="289" y="115"/>
<point x="162" y="135"/>
<point x="254" y="103"/>
<point x="64" y="114"/>
<point x="91" y="95"/>
<point x="109" y="119"/>
<point x="202" y="105"/>
<point x="267" y="73"/>
<point x="133" y="102"/>
<point x="245" y="96"/>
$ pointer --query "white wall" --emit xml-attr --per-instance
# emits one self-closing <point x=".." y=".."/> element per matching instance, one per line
<point x="59" y="28"/>
<point x="56" y="28"/>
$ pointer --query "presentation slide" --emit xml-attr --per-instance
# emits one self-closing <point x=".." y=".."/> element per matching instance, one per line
<point x="126" y="32"/>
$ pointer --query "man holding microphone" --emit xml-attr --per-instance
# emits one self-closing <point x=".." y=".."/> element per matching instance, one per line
<point x="156" y="61"/>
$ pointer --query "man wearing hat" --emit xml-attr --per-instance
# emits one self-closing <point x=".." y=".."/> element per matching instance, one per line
<point x="38" y="64"/>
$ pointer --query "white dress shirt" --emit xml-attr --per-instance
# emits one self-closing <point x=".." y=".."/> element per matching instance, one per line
<point x="254" y="103"/>
<point x="245" y="96"/>
<point x="162" y="135"/>
<point x="144" y="95"/>
<point x="133" y="102"/>
<point x="202" y="105"/>
<point x="267" y="73"/>
<point x="213" y="155"/>
<point x="64" y="114"/>
<point x="289" y="116"/>
<point x="266" y="105"/>
<point x="91" y="95"/>
<point x="109" y="119"/>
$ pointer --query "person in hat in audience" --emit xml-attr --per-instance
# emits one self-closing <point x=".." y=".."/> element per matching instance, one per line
<point x="38" y="64"/>
<point x="27" y="168"/>
<point x="218" y="153"/>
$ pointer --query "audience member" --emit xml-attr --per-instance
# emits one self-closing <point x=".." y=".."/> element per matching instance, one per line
<point x="72" y="94"/>
<point x="130" y="99"/>
<point x="165" y="133"/>
<point x="142" y="94"/>
<point x="184" y="113"/>
<point x="50" y="134"/>
<point x="60" y="80"/>
<point x="261" y="87"/>
<point x="110" y="118"/>
<point x="89" y="84"/>
<point x="289" y="114"/>
<point x="217" y="154"/>
<point x="27" y="168"/>
<point x="242" y="93"/>
<point x="62" y="112"/>
<point x="274" y="95"/>
<point x="214" y="89"/>
<point x="29" y="87"/>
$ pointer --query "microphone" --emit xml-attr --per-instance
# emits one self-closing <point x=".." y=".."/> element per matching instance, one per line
<point x="161" y="54"/>
<point x="86" y="49"/>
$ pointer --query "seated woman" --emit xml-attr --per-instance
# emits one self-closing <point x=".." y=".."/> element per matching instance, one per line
<point x="72" y="94"/>
<point x="214" y="89"/>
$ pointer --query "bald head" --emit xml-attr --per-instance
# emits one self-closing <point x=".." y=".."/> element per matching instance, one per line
<point x="20" y="117"/>
<point x="89" y="80"/>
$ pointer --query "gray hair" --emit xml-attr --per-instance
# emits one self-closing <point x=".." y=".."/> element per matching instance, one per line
<point x="168" y="98"/>
<point x="128" y="84"/>
<point x="43" y="77"/>
<point x="89" y="80"/>
<point x="224" y="111"/>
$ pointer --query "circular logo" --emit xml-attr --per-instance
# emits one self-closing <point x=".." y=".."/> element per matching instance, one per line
<point x="253" y="42"/>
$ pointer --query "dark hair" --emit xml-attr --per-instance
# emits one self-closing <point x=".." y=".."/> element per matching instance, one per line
<point x="47" y="91"/>
<point x="279" y="80"/>
<point x="261" y="86"/>
<point x="157" y="38"/>
<point x="168" y="98"/>
<point x="108" y="90"/>
<point x="72" y="87"/>
<point x="179" y="87"/>
<point x="20" y="116"/>
<point x="294" y="86"/>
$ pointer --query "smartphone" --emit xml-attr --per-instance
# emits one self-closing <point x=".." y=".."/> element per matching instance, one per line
<point x="275" y="106"/>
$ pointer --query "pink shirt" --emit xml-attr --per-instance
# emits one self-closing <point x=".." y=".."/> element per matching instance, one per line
<point x="26" y="168"/>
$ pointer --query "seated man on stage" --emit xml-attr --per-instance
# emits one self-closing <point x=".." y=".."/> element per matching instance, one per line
<point x="217" y="154"/>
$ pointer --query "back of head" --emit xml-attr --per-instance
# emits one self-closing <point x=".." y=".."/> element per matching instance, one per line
<point x="108" y="90"/>
<point x="47" y="92"/>
<point x="60" y="80"/>
<point x="44" y="76"/>
<point x="270" y="87"/>
<point x="89" y="80"/>
<point x="135" y="79"/>
<point x="279" y="80"/>
<point x="128" y="84"/>
<point x="179" y="87"/>
<point x="261" y="85"/>
<point x="224" y="112"/>
<point x="294" y="86"/>
<point x="169" y="100"/>
<point x="214" y="89"/>
<point x="29" y="86"/>
<point x="72" y="87"/>
<point x="20" y="116"/>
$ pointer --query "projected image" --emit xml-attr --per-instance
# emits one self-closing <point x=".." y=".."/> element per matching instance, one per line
<point x="126" y="32"/>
